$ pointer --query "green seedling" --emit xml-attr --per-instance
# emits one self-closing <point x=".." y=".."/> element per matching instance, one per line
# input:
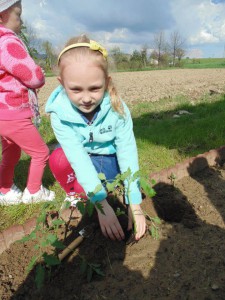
<point x="172" y="178"/>
<point x="46" y="237"/>
<point x="89" y="269"/>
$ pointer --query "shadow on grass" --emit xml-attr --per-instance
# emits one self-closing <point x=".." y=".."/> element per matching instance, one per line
<point x="201" y="129"/>
<point x="21" y="174"/>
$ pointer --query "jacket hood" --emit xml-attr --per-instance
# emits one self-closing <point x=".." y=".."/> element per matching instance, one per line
<point x="59" y="103"/>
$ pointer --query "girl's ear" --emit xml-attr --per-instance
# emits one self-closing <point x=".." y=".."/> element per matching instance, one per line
<point x="60" y="80"/>
<point x="108" y="79"/>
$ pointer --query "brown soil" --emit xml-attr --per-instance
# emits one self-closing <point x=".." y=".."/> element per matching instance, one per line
<point x="153" y="85"/>
<point x="186" y="262"/>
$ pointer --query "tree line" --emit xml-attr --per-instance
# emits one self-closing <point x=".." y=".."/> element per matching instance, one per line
<point x="162" y="52"/>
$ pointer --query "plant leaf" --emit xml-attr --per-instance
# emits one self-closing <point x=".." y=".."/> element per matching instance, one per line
<point x="50" y="259"/>
<point x="110" y="186"/>
<point x="32" y="263"/>
<point x="125" y="175"/>
<point x="97" y="189"/>
<point x="39" y="276"/>
<point x="101" y="176"/>
<point x="81" y="207"/>
<point x="99" y="207"/>
<point x="157" y="220"/>
<point x="58" y="244"/>
<point x="83" y="266"/>
<point x="51" y="238"/>
<point x="90" y="208"/>
<point x="29" y="237"/>
<point x="58" y="222"/>
<point x="99" y="272"/>
<point x="42" y="218"/>
<point x="89" y="273"/>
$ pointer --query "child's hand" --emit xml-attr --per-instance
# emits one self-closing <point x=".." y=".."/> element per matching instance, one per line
<point x="139" y="220"/>
<point x="109" y="223"/>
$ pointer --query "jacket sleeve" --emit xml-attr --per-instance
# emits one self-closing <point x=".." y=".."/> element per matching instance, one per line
<point x="127" y="156"/>
<point x="15" y="60"/>
<point x="79" y="159"/>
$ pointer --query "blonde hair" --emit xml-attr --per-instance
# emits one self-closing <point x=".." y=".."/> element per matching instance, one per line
<point x="78" y="53"/>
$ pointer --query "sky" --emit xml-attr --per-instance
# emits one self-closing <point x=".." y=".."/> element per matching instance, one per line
<point x="131" y="24"/>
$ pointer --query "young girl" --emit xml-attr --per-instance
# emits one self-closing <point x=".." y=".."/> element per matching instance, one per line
<point x="19" y="77"/>
<point x="94" y="129"/>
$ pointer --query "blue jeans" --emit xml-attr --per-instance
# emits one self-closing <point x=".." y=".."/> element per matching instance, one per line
<point x="106" y="164"/>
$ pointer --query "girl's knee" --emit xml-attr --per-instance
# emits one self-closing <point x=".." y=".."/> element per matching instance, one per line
<point x="58" y="160"/>
<point x="45" y="154"/>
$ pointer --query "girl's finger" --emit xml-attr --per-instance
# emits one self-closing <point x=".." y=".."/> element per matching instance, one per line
<point x="110" y="234"/>
<point x="119" y="232"/>
<point x="103" y="229"/>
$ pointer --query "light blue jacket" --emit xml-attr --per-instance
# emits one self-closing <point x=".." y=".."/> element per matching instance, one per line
<point x="111" y="132"/>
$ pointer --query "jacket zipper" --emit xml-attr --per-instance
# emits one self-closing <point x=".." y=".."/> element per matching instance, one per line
<point x="91" y="136"/>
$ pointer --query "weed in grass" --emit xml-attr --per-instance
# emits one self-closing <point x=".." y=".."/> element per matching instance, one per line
<point x="172" y="178"/>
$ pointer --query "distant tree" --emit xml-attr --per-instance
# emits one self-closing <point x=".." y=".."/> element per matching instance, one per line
<point x="154" y="55"/>
<point x="119" y="59"/>
<point x="176" y="45"/>
<point x="50" y="57"/>
<point x="180" y="53"/>
<point x="136" y="60"/>
<point x="29" y="38"/>
<point x="117" y="55"/>
<point x="136" y="56"/>
<point x="160" y="46"/>
<point x="144" y="57"/>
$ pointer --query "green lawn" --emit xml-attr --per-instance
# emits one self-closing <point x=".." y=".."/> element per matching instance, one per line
<point x="162" y="141"/>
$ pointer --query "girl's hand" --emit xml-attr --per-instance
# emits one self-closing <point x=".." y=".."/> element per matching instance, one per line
<point x="135" y="215"/>
<point x="109" y="223"/>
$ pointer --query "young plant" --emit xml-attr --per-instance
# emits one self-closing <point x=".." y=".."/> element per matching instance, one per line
<point x="118" y="186"/>
<point x="89" y="269"/>
<point x="172" y="178"/>
<point x="153" y="228"/>
<point x="45" y="238"/>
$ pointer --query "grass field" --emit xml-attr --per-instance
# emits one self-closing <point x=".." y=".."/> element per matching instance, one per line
<point x="203" y="63"/>
<point x="162" y="140"/>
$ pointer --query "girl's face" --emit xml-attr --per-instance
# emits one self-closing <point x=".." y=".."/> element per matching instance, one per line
<point x="11" y="18"/>
<point x="85" y="85"/>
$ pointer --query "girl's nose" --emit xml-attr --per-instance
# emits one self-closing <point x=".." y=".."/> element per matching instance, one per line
<point x="86" y="99"/>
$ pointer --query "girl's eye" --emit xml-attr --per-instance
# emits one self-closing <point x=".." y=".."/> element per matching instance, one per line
<point x="76" y="90"/>
<point x="95" y="89"/>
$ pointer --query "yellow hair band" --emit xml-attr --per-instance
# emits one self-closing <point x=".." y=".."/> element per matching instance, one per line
<point x="92" y="45"/>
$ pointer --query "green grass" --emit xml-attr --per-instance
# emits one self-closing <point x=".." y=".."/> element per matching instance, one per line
<point x="161" y="139"/>
<point x="203" y="63"/>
